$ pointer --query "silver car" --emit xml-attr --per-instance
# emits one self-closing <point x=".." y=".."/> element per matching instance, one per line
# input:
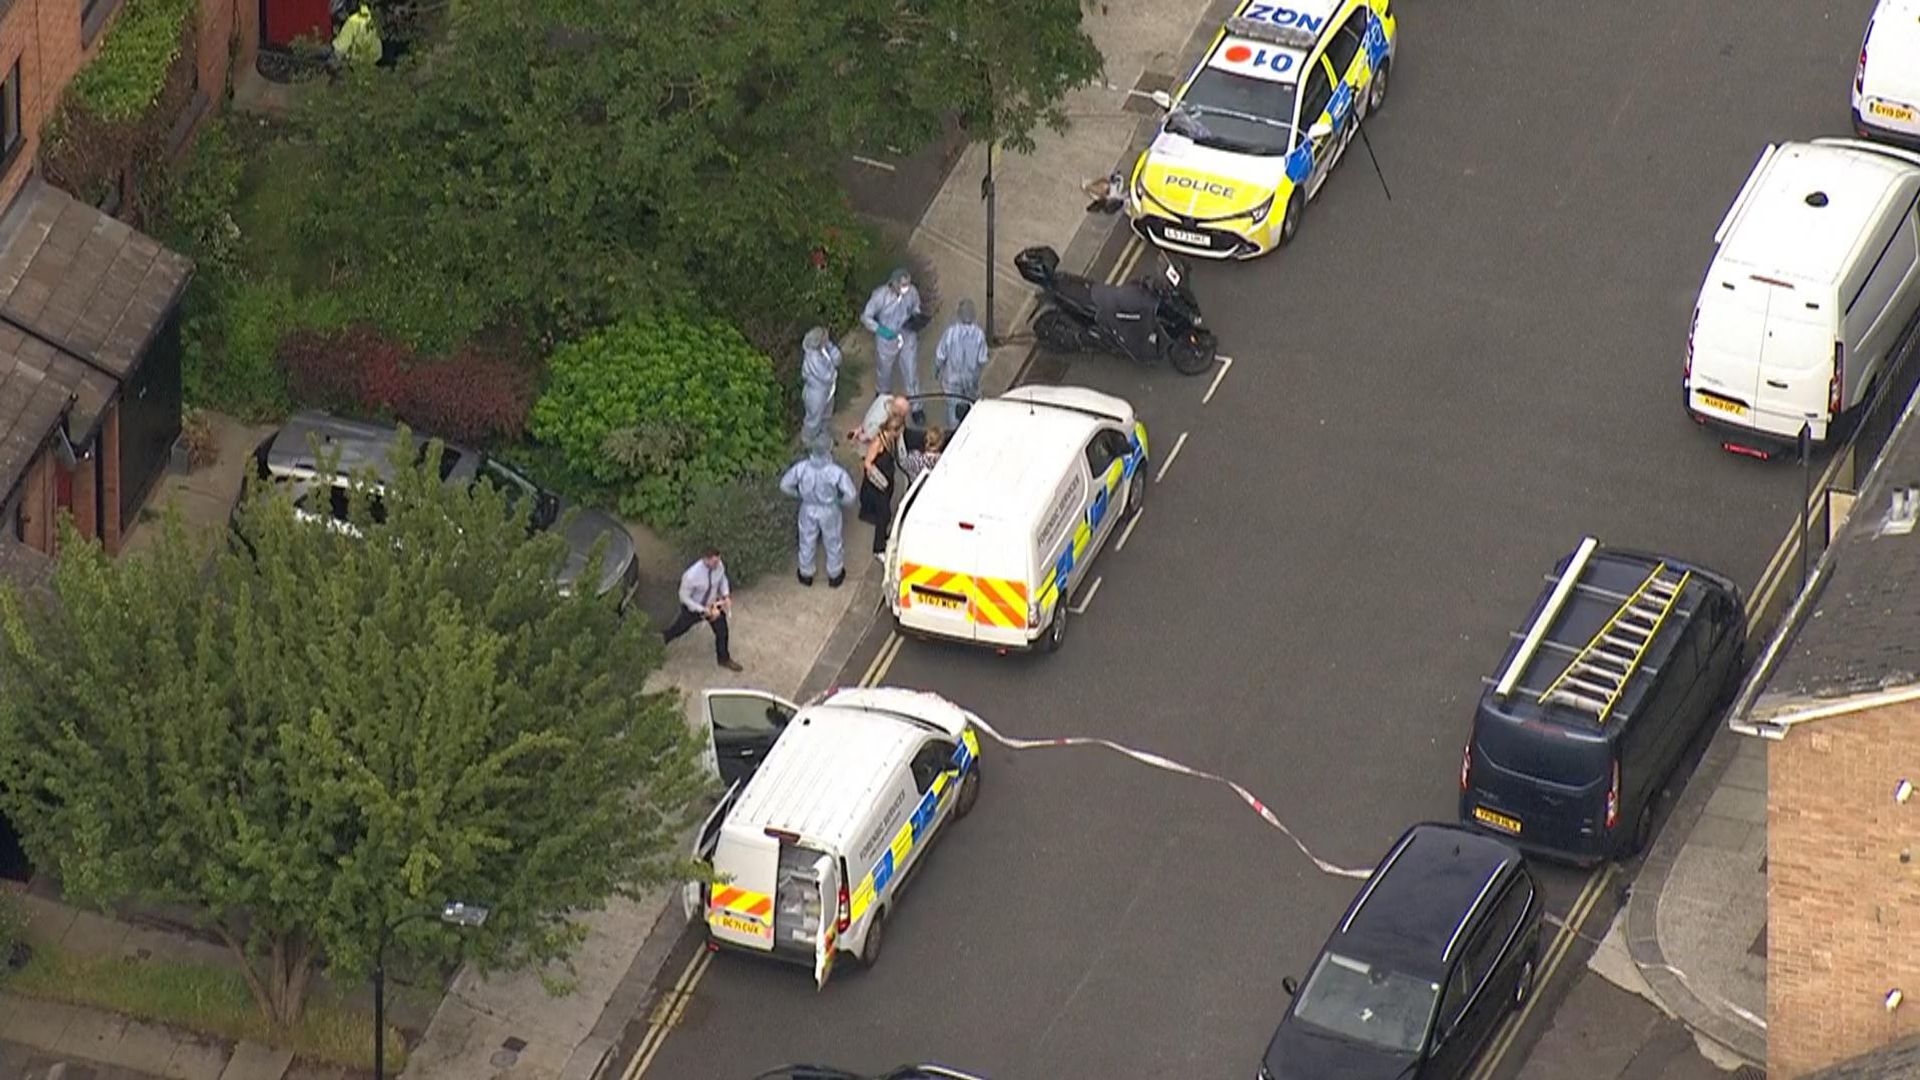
<point x="287" y="459"/>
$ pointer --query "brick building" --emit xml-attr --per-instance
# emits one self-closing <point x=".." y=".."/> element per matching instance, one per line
<point x="89" y="327"/>
<point x="1839" y="703"/>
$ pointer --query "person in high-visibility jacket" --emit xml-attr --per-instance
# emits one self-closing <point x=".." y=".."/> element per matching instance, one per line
<point x="358" y="40"/>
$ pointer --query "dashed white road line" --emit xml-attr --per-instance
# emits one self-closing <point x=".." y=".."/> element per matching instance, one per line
<point x="1226" y="365"/>
<point x="1121" y="544"/>
<point x="1171" y="454"/>
<point x="1081" y="607"/>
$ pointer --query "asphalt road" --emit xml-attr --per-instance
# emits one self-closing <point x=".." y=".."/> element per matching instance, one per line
<point x="1432" y="399"/>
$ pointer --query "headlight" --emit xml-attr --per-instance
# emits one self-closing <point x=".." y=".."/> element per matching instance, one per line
<point x="1139" y="187"/>
<point x="1260" y="212"/>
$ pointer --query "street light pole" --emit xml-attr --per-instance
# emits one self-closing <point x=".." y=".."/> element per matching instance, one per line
<point x="987" y="193"/>
<point x="454" y="913"/>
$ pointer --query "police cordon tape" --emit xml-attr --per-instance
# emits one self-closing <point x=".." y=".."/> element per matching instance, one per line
<point x="1168" y="765"/>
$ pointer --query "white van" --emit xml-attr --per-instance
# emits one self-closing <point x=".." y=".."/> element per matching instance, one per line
<point x="811" y="846"/>
<point x="1886" y="82"/>
<point x="1816" y="279"/>
<point x="988" y="545"/>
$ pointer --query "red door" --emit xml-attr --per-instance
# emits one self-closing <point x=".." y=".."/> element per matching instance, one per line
<point x="282" y="22"/>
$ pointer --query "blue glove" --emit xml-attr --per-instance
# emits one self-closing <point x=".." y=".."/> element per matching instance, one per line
<point x="887" y="333"/>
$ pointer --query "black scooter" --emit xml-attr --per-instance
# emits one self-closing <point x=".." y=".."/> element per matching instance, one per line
<point x="1146" y="320"/>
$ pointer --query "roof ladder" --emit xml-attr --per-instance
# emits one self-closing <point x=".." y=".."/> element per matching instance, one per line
<point x="1594" y="680"/>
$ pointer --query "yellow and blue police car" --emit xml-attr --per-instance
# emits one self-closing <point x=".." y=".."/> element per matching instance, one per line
<point x="1253" y="132"/>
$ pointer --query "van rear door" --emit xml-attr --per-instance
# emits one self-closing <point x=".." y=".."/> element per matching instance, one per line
<point x="1796" y="363"/>
<point x="962" y="576"/>
<point x="1729" y="327"/>
<point x="826" y="873"/>
<point x="693" y="895"/>
<point x="740" y="903"/>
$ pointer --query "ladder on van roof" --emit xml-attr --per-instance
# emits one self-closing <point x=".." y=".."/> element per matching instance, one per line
<point x="1595" y="679"/>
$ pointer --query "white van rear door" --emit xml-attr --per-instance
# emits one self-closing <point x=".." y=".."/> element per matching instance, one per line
<point x="827" y="944"/>
<point x="693" y="895"/>
<point x="1796" y="362"/>
<point x="742" y="725"/>
<point x="1727" y="336"/>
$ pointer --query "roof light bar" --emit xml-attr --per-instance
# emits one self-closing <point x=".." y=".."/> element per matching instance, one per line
<point x="1291" y="36"/>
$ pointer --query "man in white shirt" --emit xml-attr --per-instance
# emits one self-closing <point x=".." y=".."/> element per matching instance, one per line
<point x="706" y="595"/>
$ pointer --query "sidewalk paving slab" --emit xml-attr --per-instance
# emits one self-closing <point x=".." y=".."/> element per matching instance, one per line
<point x="253" y="1061"/>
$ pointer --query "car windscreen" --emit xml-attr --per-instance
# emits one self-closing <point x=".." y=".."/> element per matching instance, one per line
<point x="1232" y="112"/>
<point x="516" y="487"/>
<point x="1367" y="1003"/>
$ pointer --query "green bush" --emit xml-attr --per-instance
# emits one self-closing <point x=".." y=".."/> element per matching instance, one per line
<point x="195" y="209"/>
<point x="656" y="408"/>
<point x="126" y="76"/>
<point x="13" y="928"/>
<point x="748" y="519"/>
<point x="231" y="338"/>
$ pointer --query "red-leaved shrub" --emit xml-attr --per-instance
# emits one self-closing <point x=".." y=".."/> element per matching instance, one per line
<point x="471" y="396"/>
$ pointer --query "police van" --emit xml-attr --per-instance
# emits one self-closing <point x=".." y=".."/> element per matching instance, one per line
<point x="1625" y="659"/>
<point x="988" y="546"/>
<point x="829" y="808"/>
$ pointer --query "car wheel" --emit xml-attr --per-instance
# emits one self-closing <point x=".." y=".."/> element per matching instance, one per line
<point x="876" y="938"/>
<point x="1523" y="986"/>
<point x="969" y="792"/>
<point x="1057" y="628"/>
<point x="1137" y="489"/>
<point x="1642" y="829"/>
<point x="1290" y="224"/>
<point x="1377" y="92"/>
<point x="1056" y="331"/>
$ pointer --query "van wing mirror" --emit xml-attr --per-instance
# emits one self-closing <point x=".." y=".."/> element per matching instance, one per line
<point x="1320" y="130"/>
<point x="1162" y="99"/>
<point x="1288" y="984"/>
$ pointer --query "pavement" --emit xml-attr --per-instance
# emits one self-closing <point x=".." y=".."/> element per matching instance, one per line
<point x="1433" y="396"/>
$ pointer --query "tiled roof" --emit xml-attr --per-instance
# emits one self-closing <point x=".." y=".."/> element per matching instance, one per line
<point x="23" y="567"/>
<point x="81" y="296"/>
<point x="1896" y="1061"/>
<point x="1862" y="634"/>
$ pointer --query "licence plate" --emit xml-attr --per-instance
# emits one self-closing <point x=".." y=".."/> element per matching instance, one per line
<point x="1890" y="111"/>
<point x="1720" y="404"/>
<point x="1497" y="820"/>
<point x="1185" y="237"/>
<point x="939" y="600"/>
<point x="749" y="927"/>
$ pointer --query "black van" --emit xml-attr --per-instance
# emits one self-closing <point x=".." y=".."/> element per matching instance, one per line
<point x="1433" y="953"/>
<point x="1626" y="657"/>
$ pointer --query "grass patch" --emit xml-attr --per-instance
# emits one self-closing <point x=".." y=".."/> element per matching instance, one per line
<point x="204" y="999"/>
<point x="272" y="195"/>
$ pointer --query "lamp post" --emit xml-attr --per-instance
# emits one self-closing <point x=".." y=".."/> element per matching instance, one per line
<point x="454" y="913"/>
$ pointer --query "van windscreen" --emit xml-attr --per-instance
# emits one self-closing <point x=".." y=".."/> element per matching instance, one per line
<point x="1540" y="751"/>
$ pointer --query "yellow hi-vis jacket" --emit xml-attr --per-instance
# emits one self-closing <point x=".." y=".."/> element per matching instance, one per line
<point x="358" y="42"/>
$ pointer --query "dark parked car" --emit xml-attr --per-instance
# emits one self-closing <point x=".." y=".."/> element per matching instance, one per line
<point x="1434" y="952"/>
<point x="287" y="459"/>
<point x="1626" y="658"/>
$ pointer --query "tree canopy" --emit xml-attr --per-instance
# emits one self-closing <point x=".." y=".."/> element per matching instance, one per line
<point x="320" y="734"/>
<point x="566" y="163"/>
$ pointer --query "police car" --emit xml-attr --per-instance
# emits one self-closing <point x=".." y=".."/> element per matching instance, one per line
<point x="1253" y="132"/>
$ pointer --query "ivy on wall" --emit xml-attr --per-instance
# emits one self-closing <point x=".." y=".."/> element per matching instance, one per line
<point x="110" y="128"/>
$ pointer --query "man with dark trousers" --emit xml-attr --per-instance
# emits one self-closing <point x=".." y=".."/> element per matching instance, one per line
<point x="706" y="595"/>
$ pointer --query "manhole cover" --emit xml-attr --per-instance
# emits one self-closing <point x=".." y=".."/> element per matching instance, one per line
<point x="1141" y="99"/>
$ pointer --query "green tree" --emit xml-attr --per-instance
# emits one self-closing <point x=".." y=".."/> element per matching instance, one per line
<point x="334" y="729"/>
<point x="558" y="165"/>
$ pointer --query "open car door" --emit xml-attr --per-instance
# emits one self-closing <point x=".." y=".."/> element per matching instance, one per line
<point x="693" y="895"/>
<point x="742" y="726"/>
<point x="826" y="942"/>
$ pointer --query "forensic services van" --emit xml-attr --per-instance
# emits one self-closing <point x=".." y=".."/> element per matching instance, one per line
<point x="1254" y="131"/>
<point x="831" y="807"/>
<point x="1813" y="289"/>
<point x="989" y="544"/>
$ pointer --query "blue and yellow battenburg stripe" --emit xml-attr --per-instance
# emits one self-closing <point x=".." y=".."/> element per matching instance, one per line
<point x="1059" y="579"/>
<point x="915" y="831"/>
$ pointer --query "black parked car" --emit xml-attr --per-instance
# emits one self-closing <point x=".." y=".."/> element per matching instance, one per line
<point x="1625" y="660"/>
<point x="1434" y="952"/>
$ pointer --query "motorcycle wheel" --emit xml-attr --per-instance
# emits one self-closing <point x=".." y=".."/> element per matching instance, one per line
<point x="1193" y="354"/>
<point x="1056" y="331"/>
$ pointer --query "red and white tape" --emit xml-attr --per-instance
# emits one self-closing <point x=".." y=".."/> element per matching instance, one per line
<point x="1168" y="765"/>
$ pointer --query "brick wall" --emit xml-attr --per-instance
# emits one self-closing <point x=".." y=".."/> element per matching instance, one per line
<point x="45" y="36"/>
<point x="1843" y="909"/>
